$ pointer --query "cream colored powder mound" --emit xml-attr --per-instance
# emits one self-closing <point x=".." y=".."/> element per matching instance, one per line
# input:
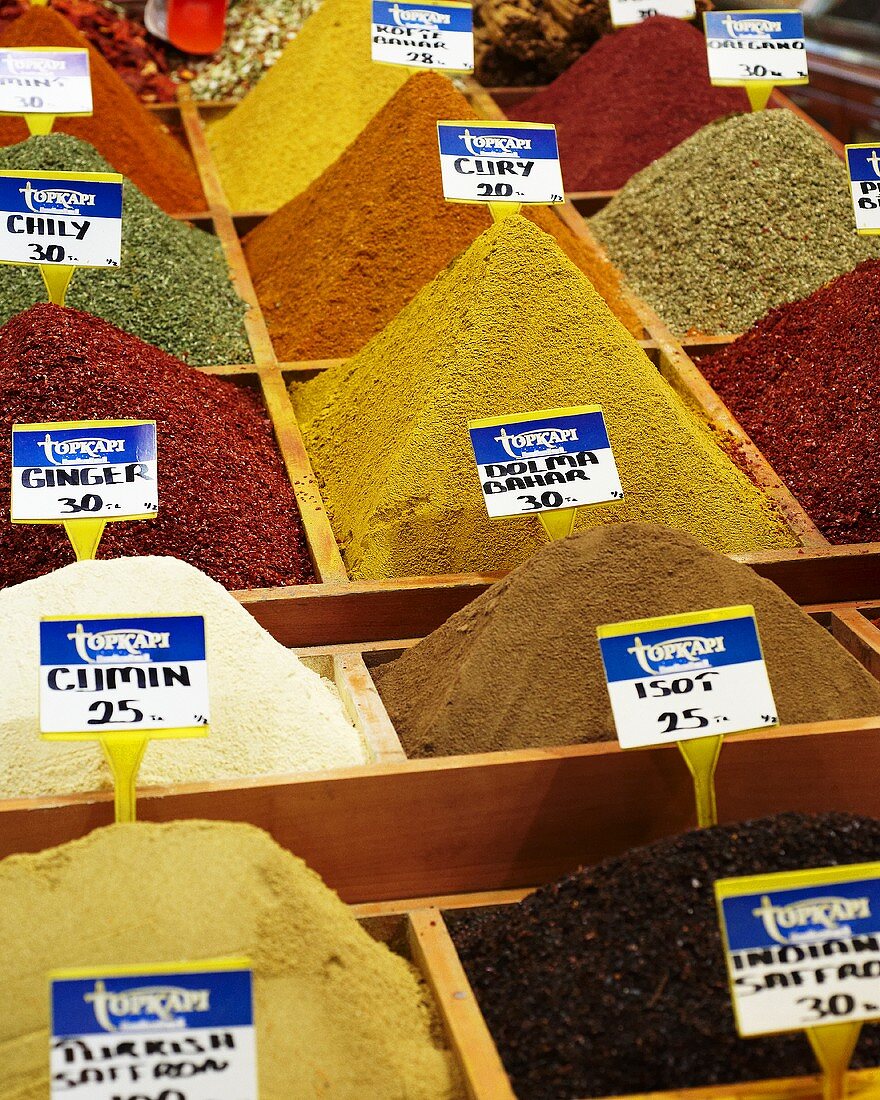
<point x="270" y="715"/>
<point x="338" y="1015"/>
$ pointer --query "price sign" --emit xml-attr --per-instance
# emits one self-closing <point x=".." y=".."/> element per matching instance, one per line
<point x="123" y="674"/>
<point x="42" y="81"/>
<point x="680" y="677"/>
<point x="424" y="36"/>
<point x="66" y="218"/>
<point x="177" y="1031"/>
<point x="99" y="469"/>
<point x="746" y="46"/>
<point x="500" y="162"/>
<point x="863" y="162"/>
<point x="802" y="948"/>
<point x="543" y="461"/>
<point x="626" y="12"/>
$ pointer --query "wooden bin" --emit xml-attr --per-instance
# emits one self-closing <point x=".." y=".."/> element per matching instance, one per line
<point x="434" y="952"/>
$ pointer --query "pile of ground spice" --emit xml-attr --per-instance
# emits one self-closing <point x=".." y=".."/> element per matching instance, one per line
<point x="511" y="326"/>
<point x="120" y="38"/>
<point x="805" y="384"/>
<point x="256" y="33"/>
<point x="531" y="42"/>
<point x="613" y="979"/>
<point x="531" y="641"/>
<point x="270" y="715"/>
<point x="634" y="96"/>
<point x="121" y="128"/>
<point x="225" y="503"/>
<point x="172" y="287"/>
<point x="750" y="212"/>
<point x="361" y="256"/>
<point x="336" y="1012"/>
<point x="306" y="110"/>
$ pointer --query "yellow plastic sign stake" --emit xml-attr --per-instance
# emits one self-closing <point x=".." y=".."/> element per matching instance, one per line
<point x="39" y="124"/>
<point x="833" y="1046"/>
<point x="501" y="210"/>
<point x="558" y="524"/>
<point x="759" y="92"/>
<point x="84" y="535"/>
<point x="57" y="279"/>
<point x="701" y="756"/>
<point x="124" y="752"/>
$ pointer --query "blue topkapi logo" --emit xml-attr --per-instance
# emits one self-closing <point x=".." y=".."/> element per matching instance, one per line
<point x="423" y="16"/>
<point x="511" y="143"/>
<point x="540" y="438"/>
<point x="122" y="444"/>
<point x="740" y="26"/>
<point x="44" y="63"/>
<point x="151" y="1002"/>
<point x="811" y="914"/>
<point x="122" y="641"/>
<point x="864" y="164"/>
<point x="60" y="197"/>
<point x="679" y="649"/>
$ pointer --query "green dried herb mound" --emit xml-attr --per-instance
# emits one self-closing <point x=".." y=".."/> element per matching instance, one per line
<point x="172" y="287"/>
<point x="749" y="213"/>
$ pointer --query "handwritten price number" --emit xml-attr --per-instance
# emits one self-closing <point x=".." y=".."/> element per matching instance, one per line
<point x="165" y="1094"/>
<point x="646" y="13"/>
<point x="89" y="503"/>
<point x="839" y="1004"/>
<point x="34" y="103"/>
<point x="53" y="254"/>
<point x="546" y="500"/>
<point x="421" y="58"/>
<point x="114" y="712"/>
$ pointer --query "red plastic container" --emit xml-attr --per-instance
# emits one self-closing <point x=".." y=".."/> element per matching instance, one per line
<point x="196" y="26"/>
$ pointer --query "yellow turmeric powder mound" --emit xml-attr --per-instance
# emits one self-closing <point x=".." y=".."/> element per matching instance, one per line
<point x="511" y="326"/>
<point x="334" y="265"/>
<point x="336" y="1013"/>
<point x="311" y="104"/>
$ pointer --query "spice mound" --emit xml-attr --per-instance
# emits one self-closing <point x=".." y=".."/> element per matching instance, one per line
<point x="531" y="640"/>
<point x="121" y="128"/>
<point x="336" y="1012"/>
<point x="305" y="111"/>
<point x="172" y="287"/>
<point x="750" y="212"/>
<point x="533" y="41"/>
<point x="270" y="715"/>
<point x="359" y="258"/>
<point x="609" y="126"/>
<point x="256" y="33"/>
<point x="511" y="326"/>
<point x="805" y="384"/>
<point x="613" y="979"/>
<point x="225" y="503"/>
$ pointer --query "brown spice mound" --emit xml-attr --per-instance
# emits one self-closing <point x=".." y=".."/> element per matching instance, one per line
<point x="121" y="128"/>
<point x="520" y="666"/>
<point x="337" y="263"/>
<point x="612" y="980"/>
<point x="225" y="503"/>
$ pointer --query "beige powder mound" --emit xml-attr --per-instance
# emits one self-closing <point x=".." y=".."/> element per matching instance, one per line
<point x="270" y="715"/>
<point x="338" y="1015"/>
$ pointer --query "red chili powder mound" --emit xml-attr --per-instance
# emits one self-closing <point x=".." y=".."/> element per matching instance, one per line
<point x="805" y="384"/>
<point x="338" y="262"/>
<point x="121" y="128"/>
<point x="225" y="503"/>
<point x="637" y="94"/>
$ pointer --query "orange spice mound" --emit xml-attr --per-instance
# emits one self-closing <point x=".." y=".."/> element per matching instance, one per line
<point x="121" y="128"/>
<point x="338" y="262"/>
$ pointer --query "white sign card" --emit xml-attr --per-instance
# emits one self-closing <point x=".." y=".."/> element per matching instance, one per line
<point x="678" y="677"/>
<point x="500" y="162"/>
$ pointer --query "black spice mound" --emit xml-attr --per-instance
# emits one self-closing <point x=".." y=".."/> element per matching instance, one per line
<point x="613" y="980"/>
